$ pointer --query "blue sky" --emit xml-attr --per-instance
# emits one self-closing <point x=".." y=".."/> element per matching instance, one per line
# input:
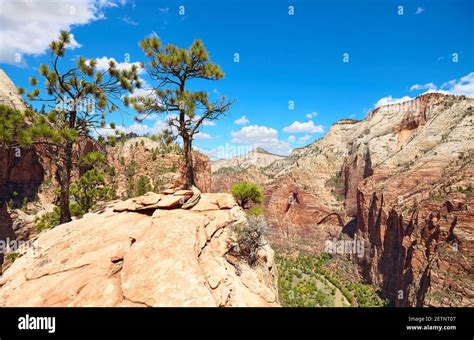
<point x="282" y="57"/>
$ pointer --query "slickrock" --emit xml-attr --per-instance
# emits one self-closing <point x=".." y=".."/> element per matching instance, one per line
<point x="175" y="257"/>
<point x="170" y="201"/>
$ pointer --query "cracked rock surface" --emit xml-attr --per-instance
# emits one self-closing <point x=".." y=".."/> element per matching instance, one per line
<point x="164" y="257"/>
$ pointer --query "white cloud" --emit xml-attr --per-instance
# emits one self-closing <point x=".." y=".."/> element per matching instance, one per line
<point x="152" y="116"/>
<point x="103" y="64"/>
<point x="291" y="139"/>
<point x="126" y="19"/>
<point x="208" y="123"/>
<point x="108" y="131"/>
<point x="449" y="84"/>
<point x="463" y="86"/>
<point x="263" y="137"/>
<point x="427" y="86"/>
<point x="138" y="128"/>
<point x="308" y="127"/>
<point x="419" y="10"/>
<point x="242" y="121"/>
<point x="305" y="138"/>
<point x="311" y="115"/>
<point x="202" y="135"/>
<point x="29" y="26"/>
<point x="390" y="100"/>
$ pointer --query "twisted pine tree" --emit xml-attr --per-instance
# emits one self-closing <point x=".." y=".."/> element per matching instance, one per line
<point x="78" y="100"/>
<point x="172" y="68"/>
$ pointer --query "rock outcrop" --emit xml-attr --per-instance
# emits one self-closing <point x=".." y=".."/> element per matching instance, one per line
<point x="142" y="156"/>
<point x="256" y="157"/>
<point x="137" y="253"/>
<point x="9" y="95"/>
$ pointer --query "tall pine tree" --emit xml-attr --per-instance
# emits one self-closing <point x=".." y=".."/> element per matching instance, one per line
<point x="172" y="68"/>
<point x="78" y="100"/>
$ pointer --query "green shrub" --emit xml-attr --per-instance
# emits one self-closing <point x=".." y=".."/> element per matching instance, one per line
<point x="48" y="220"/>
<point x="11" y="257"/>
<point x="255" y="211"/>
<point x="92" y="158"/>
<point x="143" y="186"/>
<point x="245" y="193"/>
<point x="88" y="190"/>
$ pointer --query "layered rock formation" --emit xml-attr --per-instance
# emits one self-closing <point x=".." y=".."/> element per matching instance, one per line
<point x="249" y="167"/>
<point x="401" y="179"/>
<point x="411" y="197"/>
<point x="163" y="169"/>
<point x="138" y="253"/>
<point x="257" y="157"/>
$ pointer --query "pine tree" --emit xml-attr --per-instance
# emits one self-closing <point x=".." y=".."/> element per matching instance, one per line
<point x="88" y="190"/>
<point x="79" y="99"/>
<point x="143" y="186"/>
<point x="172" y="68"/>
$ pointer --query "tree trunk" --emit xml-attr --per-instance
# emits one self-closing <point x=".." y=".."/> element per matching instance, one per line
<point x="188" y="159"/>
<point x="65" y="182"/>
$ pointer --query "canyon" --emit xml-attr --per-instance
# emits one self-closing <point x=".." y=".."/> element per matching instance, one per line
<point x="400" y="181"/>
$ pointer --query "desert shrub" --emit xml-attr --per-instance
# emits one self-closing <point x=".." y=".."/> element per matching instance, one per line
<point x="255" y="211"/>
<point x="130" y="170"/>
<point x="245" y="193"/>
<point x="48" y="220"/>
<point x="142" y="186"/>
<point x="88" y="190"/>
<point x="250" y="239"/>
<point x="469" y="192"/>
<point x="11" y="257"/>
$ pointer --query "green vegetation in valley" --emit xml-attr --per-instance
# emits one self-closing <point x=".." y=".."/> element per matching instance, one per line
<point x="304" y="281"/>
<point x="298" y="279"/>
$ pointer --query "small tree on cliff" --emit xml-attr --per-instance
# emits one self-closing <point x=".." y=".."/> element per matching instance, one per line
<point x="245" y="193"/>
<point x="79" y="99"/>
<point x="172" y="68"/>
